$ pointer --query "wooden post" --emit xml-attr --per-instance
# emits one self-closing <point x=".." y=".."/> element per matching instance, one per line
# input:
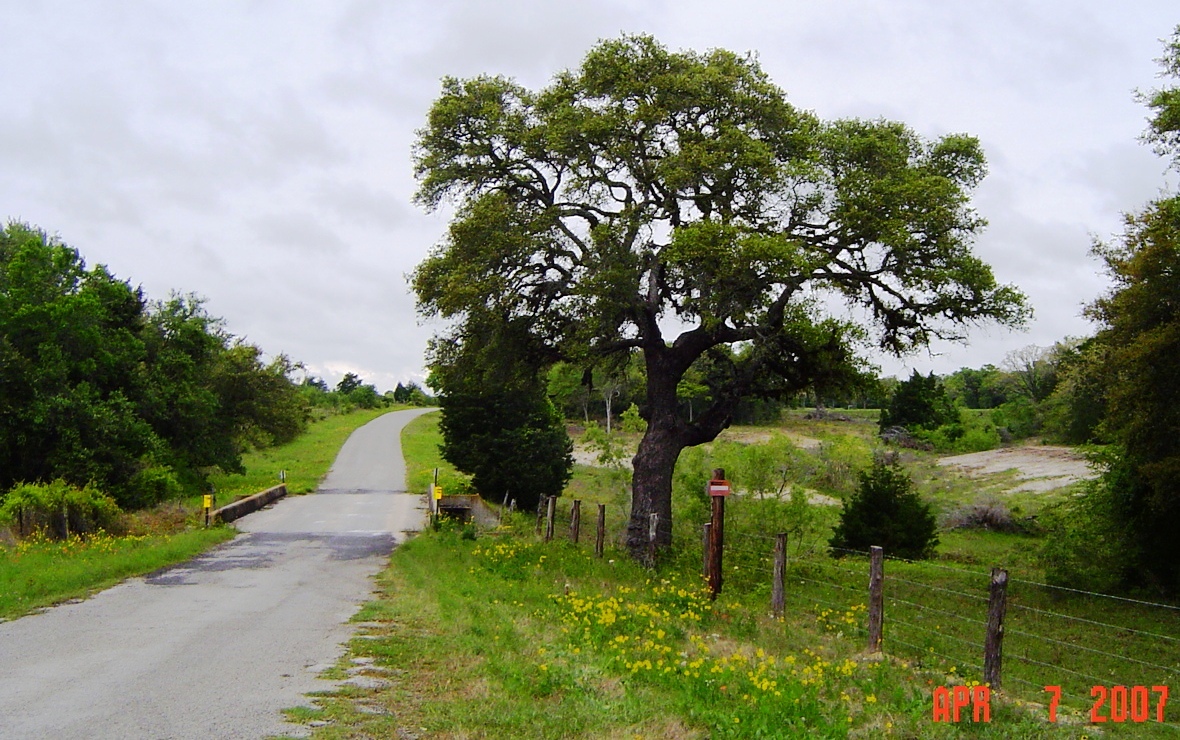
<point x="705" y="549"/>
<point x="777" y="589"/>
<point x="20" y="519"/>
<point x="542" y="505"/>
<point x="600" y="539"/>
<point x="993" y="645"/>
<point x="551" y="512"/>
<point x="876" y="597"/>
<point x="576" y="521"/>
<point x="716" y="539"/>
<point x="653" y="525"/>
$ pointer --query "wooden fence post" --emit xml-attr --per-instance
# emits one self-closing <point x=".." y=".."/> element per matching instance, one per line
<point x="542" y="505"/>
<point x="876" y="597"/>
<point x="549" y="516"/>
<point x="716" y="539"/>
<point x="777" y="589"/>
<point x="576" y="521"/>
<point x="600" y="538"/>
<point x="993" y="645"/>
<point x="705" y="549"/>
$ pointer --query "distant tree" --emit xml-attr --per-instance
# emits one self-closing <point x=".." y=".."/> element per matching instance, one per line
<point x="983" y="388"/>
<point x="919" y="403"/>
<point x="310" y="381"/>
<point x="569" y="388"/>
<point x="649" y="185"/>
<point x="401" y="394"/>
<point x="1075" y="409"/>
<point x="349" y="383"/>
<point x="1035" y="369"/>
<point x="887" y="512"/>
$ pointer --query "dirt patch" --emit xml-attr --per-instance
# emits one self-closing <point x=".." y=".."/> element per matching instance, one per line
<point x="1039" y="468"/>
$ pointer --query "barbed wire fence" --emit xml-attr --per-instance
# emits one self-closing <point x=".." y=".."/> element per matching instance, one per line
<point x="941" y="617"/>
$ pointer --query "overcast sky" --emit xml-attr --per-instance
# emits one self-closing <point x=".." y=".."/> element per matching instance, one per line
<point x="258" y="152"/>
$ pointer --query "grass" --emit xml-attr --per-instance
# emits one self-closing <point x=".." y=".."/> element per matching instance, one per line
<point x="502" y="635"/>
<point x="36" y="573"/>
<point x="506" y="636"/>
<point x="420" y="447"/>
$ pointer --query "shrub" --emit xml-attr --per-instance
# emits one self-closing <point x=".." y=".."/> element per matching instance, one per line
<point x="631" y="422"/>
<point x="989" y="514"/>
<point x="1085" y="546"/>
<point x="511" y="441"/>
<point x="151" y="486"/>
<point x="1020" y="416"/>
<point x="841" y="460"/>
<point x="887" y="511"/>
<point x="58" y="509"/>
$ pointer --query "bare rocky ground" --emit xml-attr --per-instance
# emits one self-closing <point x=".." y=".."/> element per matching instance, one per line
<point x="1039" y="468"/>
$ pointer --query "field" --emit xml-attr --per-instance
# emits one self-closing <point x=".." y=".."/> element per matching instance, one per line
<point x="498" y="634"/>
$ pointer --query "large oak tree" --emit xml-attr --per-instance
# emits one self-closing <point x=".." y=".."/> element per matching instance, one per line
<point x="675" y="204"/>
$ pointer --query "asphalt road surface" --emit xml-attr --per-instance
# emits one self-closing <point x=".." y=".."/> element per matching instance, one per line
<point x="217" y="646"/>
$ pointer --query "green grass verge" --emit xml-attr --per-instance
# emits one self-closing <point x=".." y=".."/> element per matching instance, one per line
<point x="505" y="636"/>
<point x="36" y="573"/>
<point x="420" y="446"/>
<point x="306" y="459"/>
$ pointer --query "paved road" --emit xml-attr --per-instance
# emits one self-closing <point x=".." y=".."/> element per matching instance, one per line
<point x="216" y="647"/>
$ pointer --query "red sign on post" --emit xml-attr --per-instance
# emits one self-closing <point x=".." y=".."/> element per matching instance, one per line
<point x="718" y="488"/>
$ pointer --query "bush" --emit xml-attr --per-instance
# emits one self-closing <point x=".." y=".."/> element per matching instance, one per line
<point x="887" y="511"/>
<point x="971" y="433"/>
<point x="841" y="461"/>
<point x="1020" y="416"/>
<point x="151" y="486"/>
<point x="512" y="442"/>
<point x="1086" y="547"/>
<point x="58" y="509"/>
<point x="991" y="515"/>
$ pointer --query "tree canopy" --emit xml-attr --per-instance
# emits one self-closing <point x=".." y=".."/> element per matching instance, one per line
<point x="677" y="204"/>
<point x="1128" y="376"/>
<point x="100" y="386"/>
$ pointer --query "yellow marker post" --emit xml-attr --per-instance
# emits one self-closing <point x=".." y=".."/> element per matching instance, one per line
<point x="437" y="493"/>
<point x="208" y="506"/>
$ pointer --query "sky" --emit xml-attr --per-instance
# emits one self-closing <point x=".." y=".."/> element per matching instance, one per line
<point x="258" y="153"/>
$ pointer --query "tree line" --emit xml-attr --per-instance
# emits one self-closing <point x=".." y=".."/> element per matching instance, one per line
<point x="133" y="399"/>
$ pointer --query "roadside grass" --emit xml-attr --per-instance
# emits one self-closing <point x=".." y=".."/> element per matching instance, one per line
<point x="506" y="636"/>
<point x="420" y="446"/>
<point x="306" y="459"/>
<point x="37" y="573"/>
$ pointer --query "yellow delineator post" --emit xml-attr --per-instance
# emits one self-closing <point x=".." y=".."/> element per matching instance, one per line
<point x="435" y="497"/>
<point x="208" y="502"/>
